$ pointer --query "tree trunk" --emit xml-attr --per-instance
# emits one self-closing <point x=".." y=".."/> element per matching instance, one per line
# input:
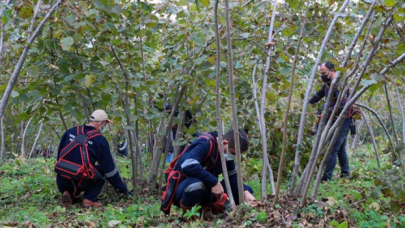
<point x="298" y="156"/>
<point x="23" y="138"/>
<point x="265" y="156"/>
<point x="126" y="105"/>
<point x="390" y="112"/>
<point x="271" y="177"/>
<point x="335" y="129"/>
<point x="337" y="125"/>
<point x="138" y="157"/>
<point x="402" y="112"/>
<point x="218" y="111"/>
<point x="381" y="122"/>
<point x="3" y="147"/>
<point x="233" y="104"/>
<point x="36" y="140"/>
<point x="179" y="132"/>
<point x="308" y="92"/>
<point x="154" y="169"/>
<point x="354" y="144"/>
<point x="16" y="72"/>
<point x="373" y="138"/>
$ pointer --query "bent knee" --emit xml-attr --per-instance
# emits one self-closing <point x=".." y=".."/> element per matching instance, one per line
<point x="197" y="186"/>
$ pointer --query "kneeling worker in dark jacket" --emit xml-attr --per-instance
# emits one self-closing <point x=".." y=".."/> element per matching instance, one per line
<point x="201" y="185"/>
<point x="99" y="156"/>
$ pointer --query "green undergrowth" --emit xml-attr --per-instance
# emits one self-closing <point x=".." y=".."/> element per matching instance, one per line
<point x="29" y="198"/>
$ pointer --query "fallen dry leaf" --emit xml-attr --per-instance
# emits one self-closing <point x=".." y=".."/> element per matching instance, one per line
<point x="321" y="223"/>
<point x="374" y="206"/>
<point x="331" y="201"/>
<point x="10" y="223"/>
<point x="90" y="224"/>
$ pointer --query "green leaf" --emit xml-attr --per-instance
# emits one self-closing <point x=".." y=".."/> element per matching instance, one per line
<point x="399" y="16"/>
<point x="288" y="31"/>
<point x="116" y="9"/>
<point x="14" y="93"/>
<point x="153" y="43"/>
<point x="26" y="11"/>
<point x="199" y="38"/>
<point x="334" y="223"/>
<point x="390" y="3"/>
<point x="68" y="107"/>
<point x="201" y="59"/>
<point x="23" y="116"/>
<point x="293" y="3"/>
<point x="182" y="3"/>
<point x="6" y="16"/>
<point x="357" y="195"/>
<point x="150" y="115"/>
<point x="366" y="83"/>
<point x="23" y="97"/>
<point x="33" y="71"/>
<point x="71" y="19"/>
<point x="88" y="80"/>
<point x="343" y="224"/>
<point x="70" y="77"/>
<point x="205" y="2"/>
<point x="377" y="77"/>
<point x="66" y="43"/>
<point x="271" y="96"/>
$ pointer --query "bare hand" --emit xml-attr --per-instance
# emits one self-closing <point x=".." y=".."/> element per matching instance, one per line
<point x="217" y="190"/>
<point x="249" y="197"/>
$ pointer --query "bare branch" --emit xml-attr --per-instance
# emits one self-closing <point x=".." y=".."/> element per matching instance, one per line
<point x="3" y="147"/>
<point x="33" y="19"/>
<point x="36" y="140"/>
<point x="303" y="181"/>
<point x="263" y="104"/>
<point x="233" y="104"/>
<point x="381" y="123"/>
<point x="370" y="130"/>
<point x="298" y="151"/>
<point x="218" y="107"/>
<point x="22" y="58"/>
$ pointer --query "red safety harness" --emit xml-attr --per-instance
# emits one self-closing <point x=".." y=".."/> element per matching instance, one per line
<point x="174" y="177"/>
<point x="84" y="174"/>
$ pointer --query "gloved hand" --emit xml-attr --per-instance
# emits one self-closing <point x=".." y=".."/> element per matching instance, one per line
<point x="127" y="193"/>
<point x="130" y="193"/>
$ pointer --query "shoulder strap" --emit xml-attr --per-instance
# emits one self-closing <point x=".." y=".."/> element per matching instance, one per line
<point x="89" y="135"/>
<point x="174" y="163"/>
<point x="69" y="147"/>
<point x="80" y="140"/>
<point x="213" y="147"/>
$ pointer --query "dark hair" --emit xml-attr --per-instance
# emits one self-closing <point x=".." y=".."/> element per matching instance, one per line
<point x="329" y="65"/>
<point x="243" y="140"/>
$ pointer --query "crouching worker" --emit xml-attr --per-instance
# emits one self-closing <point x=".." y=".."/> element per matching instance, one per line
<point x="83" y="160"/>
<point x="192" y="178"/>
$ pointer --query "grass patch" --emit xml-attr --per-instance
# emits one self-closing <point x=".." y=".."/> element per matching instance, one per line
<point x="28" y="195"/>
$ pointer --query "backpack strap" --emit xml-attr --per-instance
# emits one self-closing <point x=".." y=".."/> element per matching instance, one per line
<point x="83" y="146"/>
<point x="213" y="147"/>
<point x="69" y="147"/>
<point x="174" y="163"/>
<point x="80" y="140"/>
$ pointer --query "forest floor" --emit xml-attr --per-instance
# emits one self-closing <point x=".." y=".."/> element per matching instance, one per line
<point x="29" y="198"/>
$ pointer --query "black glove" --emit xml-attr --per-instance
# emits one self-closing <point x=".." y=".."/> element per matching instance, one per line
<point x="125" y="193"/>
<point x="130" y="193"/>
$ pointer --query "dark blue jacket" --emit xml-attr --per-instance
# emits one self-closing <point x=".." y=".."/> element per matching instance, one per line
<point x="192" y="163"/>
<point x="324" y="92"/>
<point x="100" y="156"/>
